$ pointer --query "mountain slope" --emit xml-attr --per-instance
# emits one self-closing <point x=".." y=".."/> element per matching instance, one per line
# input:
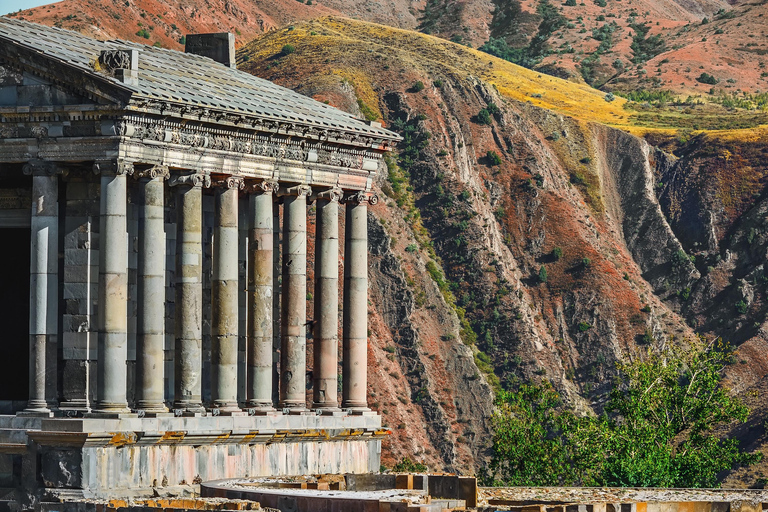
<point x="475" y="208"/>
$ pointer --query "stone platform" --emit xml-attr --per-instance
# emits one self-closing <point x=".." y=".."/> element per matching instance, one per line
<point x="135" y="457"/>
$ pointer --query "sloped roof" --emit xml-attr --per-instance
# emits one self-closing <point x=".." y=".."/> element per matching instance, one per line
<point x="184" y="78"/>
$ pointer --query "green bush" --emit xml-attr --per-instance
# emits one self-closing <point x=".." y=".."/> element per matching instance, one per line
<point x="660" y="428"/>
<point x="493" y="157"/>
<point x="584" y="326"/>
<point x="742" y="307"/>
<point x="417" y="86"/>
<point x="557" y="253"/>
<point x="484" y="117"/>
<point x="706" y="78"/>
<point x="406" y="465"/>
<point x="288" y="49"/>
<point x="542" y="274"/>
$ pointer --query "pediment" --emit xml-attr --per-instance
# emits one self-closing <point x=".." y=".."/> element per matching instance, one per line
<point x="24" y="89"/>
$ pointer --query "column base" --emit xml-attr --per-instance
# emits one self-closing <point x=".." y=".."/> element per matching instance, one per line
<point x="259" y="408"/>
<point x="330" y="411"/>
<point x="360" y="411"/>
<point x="151" y="408"/>
<point x="111" y="415"/>
<point x="184" y="408"/>
<point x="111" y="408"/>
<point x="226" y="410"/>
<point x="263" y="412"/>
<point x="295" y="410"/>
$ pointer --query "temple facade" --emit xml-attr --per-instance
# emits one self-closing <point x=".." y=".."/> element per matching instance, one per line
<point x="160" y="201"/>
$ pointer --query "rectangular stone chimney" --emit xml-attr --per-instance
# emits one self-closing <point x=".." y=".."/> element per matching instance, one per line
<point x="219" y="47"/>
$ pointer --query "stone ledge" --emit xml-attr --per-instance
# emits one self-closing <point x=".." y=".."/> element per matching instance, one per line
<point x="213" y="423"/>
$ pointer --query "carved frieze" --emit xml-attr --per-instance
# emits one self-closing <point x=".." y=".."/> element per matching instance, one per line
<point x="279" y="145"/>
<point x="15" y="198"/>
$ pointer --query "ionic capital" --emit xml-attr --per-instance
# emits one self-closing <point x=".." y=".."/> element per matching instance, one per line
<point x="360" y="197"/>
<point x="298" y="190"/>
<point x="198" y="179"/>
<point x="333" y="195"/>
<point x="263" y="187"/>
<point x="230" y="182"/>
<point x="114" y="167"/>
<point x="156" y="171"/>
<point x="37" y="167"/>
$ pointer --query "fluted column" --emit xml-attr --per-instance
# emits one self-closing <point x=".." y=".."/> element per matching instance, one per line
<point x="44" y="283"/>
<point x="260" y="297"/>
<point x="224" y="296"/>
<point x="276" y="296"/>
<point x="150" y="341"/>
<point x="189" y="291"/>
<point x="111" y="381"/>
<point x="326" y="330"/>
<point x="355" y="322"/>
<point x="293" y="325"/>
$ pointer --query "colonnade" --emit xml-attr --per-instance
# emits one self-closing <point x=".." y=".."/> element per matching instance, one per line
<point x="188" y="188"/>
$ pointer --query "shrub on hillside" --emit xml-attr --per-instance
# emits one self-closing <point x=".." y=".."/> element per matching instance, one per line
<point x="658" y="430"/>
<point x="493" y="158"/>
<point x="706" y="78"/>
<point x="288" y="49"/>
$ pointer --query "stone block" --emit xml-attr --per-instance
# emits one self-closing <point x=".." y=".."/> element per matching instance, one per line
<point x="746" y="506"/>
<point x="421" y="482"/>
<point x="404" y="481"/>
<point x="369" y="482"/>
<point x="468" y="490"/>
<point x="444" y="486"/>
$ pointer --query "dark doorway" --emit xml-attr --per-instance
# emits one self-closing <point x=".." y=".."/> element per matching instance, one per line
<point x="14" y="313"/>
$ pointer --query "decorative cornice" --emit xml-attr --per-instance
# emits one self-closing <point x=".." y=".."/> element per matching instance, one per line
<point x="286" y="127"/>
<point x="191" y="180"/>
<point x="297" y="190"/>
<point x="36" y="167"/>
<point x="331" y="194"/>
<point x="116" y="167"/>
<point x="156" y="171"/>
<point x="361" y="197"/>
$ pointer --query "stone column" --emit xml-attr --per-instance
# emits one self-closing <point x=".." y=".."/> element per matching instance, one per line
<point x="293" y="324"/>
<point x="326" y="330"/>
<point x="355" y="322"/>
<point x="150" y="341"/>
<point x="260" y="298"/>
<point x="224" y="297"/>
<point x="44" y="284"/>
<point x="111" y="378"/>
<point x="189" y="291"/>
<point x="276" y="295"/>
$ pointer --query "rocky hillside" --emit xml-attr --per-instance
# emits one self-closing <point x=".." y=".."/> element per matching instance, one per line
<point x="612" y="44"/>
<point x="521" y="238"/>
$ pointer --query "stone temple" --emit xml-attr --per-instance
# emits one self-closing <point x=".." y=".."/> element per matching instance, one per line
<point x="160" y="201"/>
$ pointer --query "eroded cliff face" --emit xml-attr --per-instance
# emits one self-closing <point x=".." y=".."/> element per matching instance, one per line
<point x="515" y="243"/>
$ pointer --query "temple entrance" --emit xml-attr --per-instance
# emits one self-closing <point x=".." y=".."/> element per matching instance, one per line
<point x="14" y="313"/>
